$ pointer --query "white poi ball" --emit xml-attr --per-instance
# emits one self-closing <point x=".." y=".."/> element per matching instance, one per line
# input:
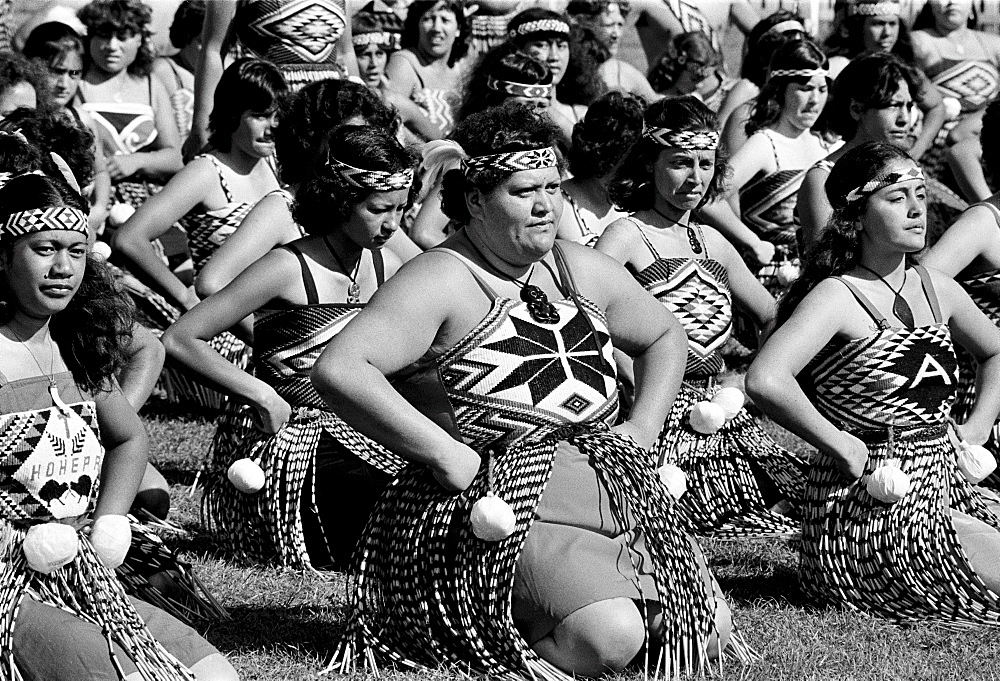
<point x="50" y="546"/>
<point x="731" y="400"/>
<point x="674" y="478"/>
<point x="787" y="273"/>
<point x="975" y="462"/>
<point x="111" y="537"/>
<point x="246" y="475"/>
<point x="120" y="213"/>
<point x="706" y="417"/>
<point x="888" y="484"/>
<point x="101" y="250"/>
<point x="492" y="518"/>
<point x="952" y="108"/>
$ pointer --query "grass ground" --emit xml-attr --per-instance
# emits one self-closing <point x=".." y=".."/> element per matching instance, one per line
<point x="284" y="621"/>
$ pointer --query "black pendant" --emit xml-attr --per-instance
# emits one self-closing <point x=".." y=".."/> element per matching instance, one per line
<point x="539" y="307"/>
<point x="902" y="311"/>
<point x="693" y="240"/>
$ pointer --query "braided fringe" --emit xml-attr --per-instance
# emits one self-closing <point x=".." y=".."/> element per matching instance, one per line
<point x="901" y="561"/>
<point x="267" y="526"/>
<point x="90" y="591"/>
<point x="723" y="498"/>
<point x="183" y="387"/>
<point x="428" y="593"/>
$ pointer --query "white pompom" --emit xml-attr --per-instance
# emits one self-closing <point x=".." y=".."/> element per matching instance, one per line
<point x="111" y="536"/>
<point x="952" y="108"/>
<point x="975" y="462"/>
<point x="101" y="250"/>
<point x="674" y="478"/>
<point x="492" y="518"/>
<point x="50" y="546"/>
<point x="246" y="475"/>
<point x="787" y="273"/>
<point x="120" y="213"/>
<point x="731" y="400"/>
<point x="888" y="484"/>
<point x="706" y="417"/>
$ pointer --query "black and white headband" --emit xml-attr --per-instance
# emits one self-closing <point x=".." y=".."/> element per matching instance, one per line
<point x="519" y="89"/>
<point x="691" y="140"/>
<point x="377" y="180"/>
<point x="541" y="26"/>
<point x="513" y="162"/>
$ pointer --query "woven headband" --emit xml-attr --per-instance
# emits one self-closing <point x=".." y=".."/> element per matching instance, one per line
<point x="44" y="219"/>
<point x="519" y="89"/>
<point x="513" y="162"/>
<point x="391" y="40"/>
<point x="540" y="26"/>
<point x="883" y="181"/>
<point x="799" y="73"/>
<point x="790" y="25"/>
<point x="875" y="9"/>
<point x="377" y="180"/>
<point x="700" y="140"/>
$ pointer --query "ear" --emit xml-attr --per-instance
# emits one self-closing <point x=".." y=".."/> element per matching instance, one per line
<point x="856" y="109"/>
<point x="474" y="202"/>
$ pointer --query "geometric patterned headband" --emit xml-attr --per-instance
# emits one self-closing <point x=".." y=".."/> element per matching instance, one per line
<point x="803" y="73"/>
<point x="519" y="89"/>
<point x="43" y="219"/>
<point x="513" y="161"/>
<point x="540" y="26"/>
<point x="790" y="25"/>
<point x="875" y="9"/>
<point x="392" y="41"/>
<point x="882" y="181"/>
<point x="376" y="180"/>
<point x="700" y="140"/>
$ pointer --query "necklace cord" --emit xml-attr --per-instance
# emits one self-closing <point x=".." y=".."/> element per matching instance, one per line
<point x="354" y="290"/>
<point x="692" y="236"/>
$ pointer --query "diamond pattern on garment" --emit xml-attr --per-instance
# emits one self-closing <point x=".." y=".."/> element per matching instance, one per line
<point x="309" y="29"/>
<point x="973" y="83"/>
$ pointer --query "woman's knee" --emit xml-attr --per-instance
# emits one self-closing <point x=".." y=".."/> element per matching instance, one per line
<point x="607" y="635"/>
<point x="719" y="639"/>
<point x="214" y="668"/>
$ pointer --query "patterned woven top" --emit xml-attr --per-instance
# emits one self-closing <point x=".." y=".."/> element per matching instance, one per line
<point x="123" y="127"/>
<point x="290" y="32"/>
<point x="768" y="205"/>
<point x="973" y="82"/>
<point x="209" y="230"/>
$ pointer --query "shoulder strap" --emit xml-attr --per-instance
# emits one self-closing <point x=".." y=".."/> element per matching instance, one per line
<point x="774" y="149"/>
<point x="580" y="222"/>
<point x="222" y="179"/>
<point x="312" y="297"/>
<point x="487" y="289"/>
<point x="177" y="75"/>
<point x="993" y="209"/>
<point x="865" y="303"/>
<point x="149" y="88"/>
<point x="642" y="233"/>
<point x="929" y="292"/>
<point x="565" y="280"/>
<point x="701" y="235"/>
<point x="379" y="265"/>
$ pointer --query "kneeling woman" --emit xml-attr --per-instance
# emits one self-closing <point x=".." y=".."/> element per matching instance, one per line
<point x="735" y="471"/>
<point x="500" y="346"/>
<point x="891" y="526"/>
<point x="77" y="448"/>
<point x="320" y="476"/>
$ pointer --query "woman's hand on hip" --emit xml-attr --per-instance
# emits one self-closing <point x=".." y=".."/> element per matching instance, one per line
<point x="851" y="455"/>
<point x="456" y="468"/>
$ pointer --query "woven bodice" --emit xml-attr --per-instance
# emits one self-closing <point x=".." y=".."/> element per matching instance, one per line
<point x="697" y="293"/>
<point x="973" y="82"/>
<point x="900" y="377"/>
<point x="209" y="229"/>
<point x="287" y="342"/>
<point x="123" y="127"/>
<point x="437" y="103"/>
<point x="291" y="32"/>
<point x="50" y="460"/>
<point x="768" y="204"/>
<point x="984" y="289"/>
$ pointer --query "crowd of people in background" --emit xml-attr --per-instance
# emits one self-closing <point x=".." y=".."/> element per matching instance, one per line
<point x="489" y="320"/>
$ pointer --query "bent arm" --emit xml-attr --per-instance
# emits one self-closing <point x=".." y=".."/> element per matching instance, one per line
<point x="218" y="17"/>
<point x="126" y="450"/>
<point x="966" y="161"/>
<point x="813" y="206"/>
<point x="146" y="355"/>
<point x="969" y="237"/>
<point x="932" y="104"/>
<point x="165" y="161"/>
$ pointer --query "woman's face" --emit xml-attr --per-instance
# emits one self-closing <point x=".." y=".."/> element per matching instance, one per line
<point x="438" y="30"/>
<point x="553" y="52"/>
<point x="44" y="270"/>
<point x="254" y="135"/>
<point x="880" y="33"/>
<point x="64" y="77"/>
<point x="804" y="103"/>
<point x="950" y="15"/>
<point x="18" y="95"/>
<point x="520" y="216"/>
<point x="609" y="28"/>
<point x="895" y="218"/>
<point x="890" y="124"/>
<point x="114" y="51"/>
<point x="376" y="218"/>
<point x="682" y="177"/>
<point x="539" y="104"/>
<point x="371" y="64"/>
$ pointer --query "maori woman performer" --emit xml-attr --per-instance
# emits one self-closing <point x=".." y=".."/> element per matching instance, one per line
<point x="62" y="604"/>
<point x="768" y="169"/>
<point x="316" y="478"/>
<point x="863" y="368"/>
<point x="735" y="472"/>
<point x="500" y="345"/>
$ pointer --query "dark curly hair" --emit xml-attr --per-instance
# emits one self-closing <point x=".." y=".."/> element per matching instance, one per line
<point x="416" y="11"/>
<point x="95" y="330"/>
<point x="107" y="17"/>
<point x="325" y="200"/>
<point x="50" y="42"/>
<point x="246" y="85"/>
<point x="308" y="116"/>
<point x="19" y="156"/>
<point x="504" y="62"/>
<point x="872" y="80"/>
<point x="990" y="138"/>
<point x="16" y="69"/>
<point x="848" y="40"/>
<point x="693" y="46"/>
<point x="612" y="125"/>
<point x="793" y="54"/>
<point x="591" y="10"/>
<point x="762" y="42"/>
<point x="632" y="188"/>
<point x="187" y="23"/>
<point x="838" y="249"/>
<point x="53" y="132"/>
<point x="511" y="127"/>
